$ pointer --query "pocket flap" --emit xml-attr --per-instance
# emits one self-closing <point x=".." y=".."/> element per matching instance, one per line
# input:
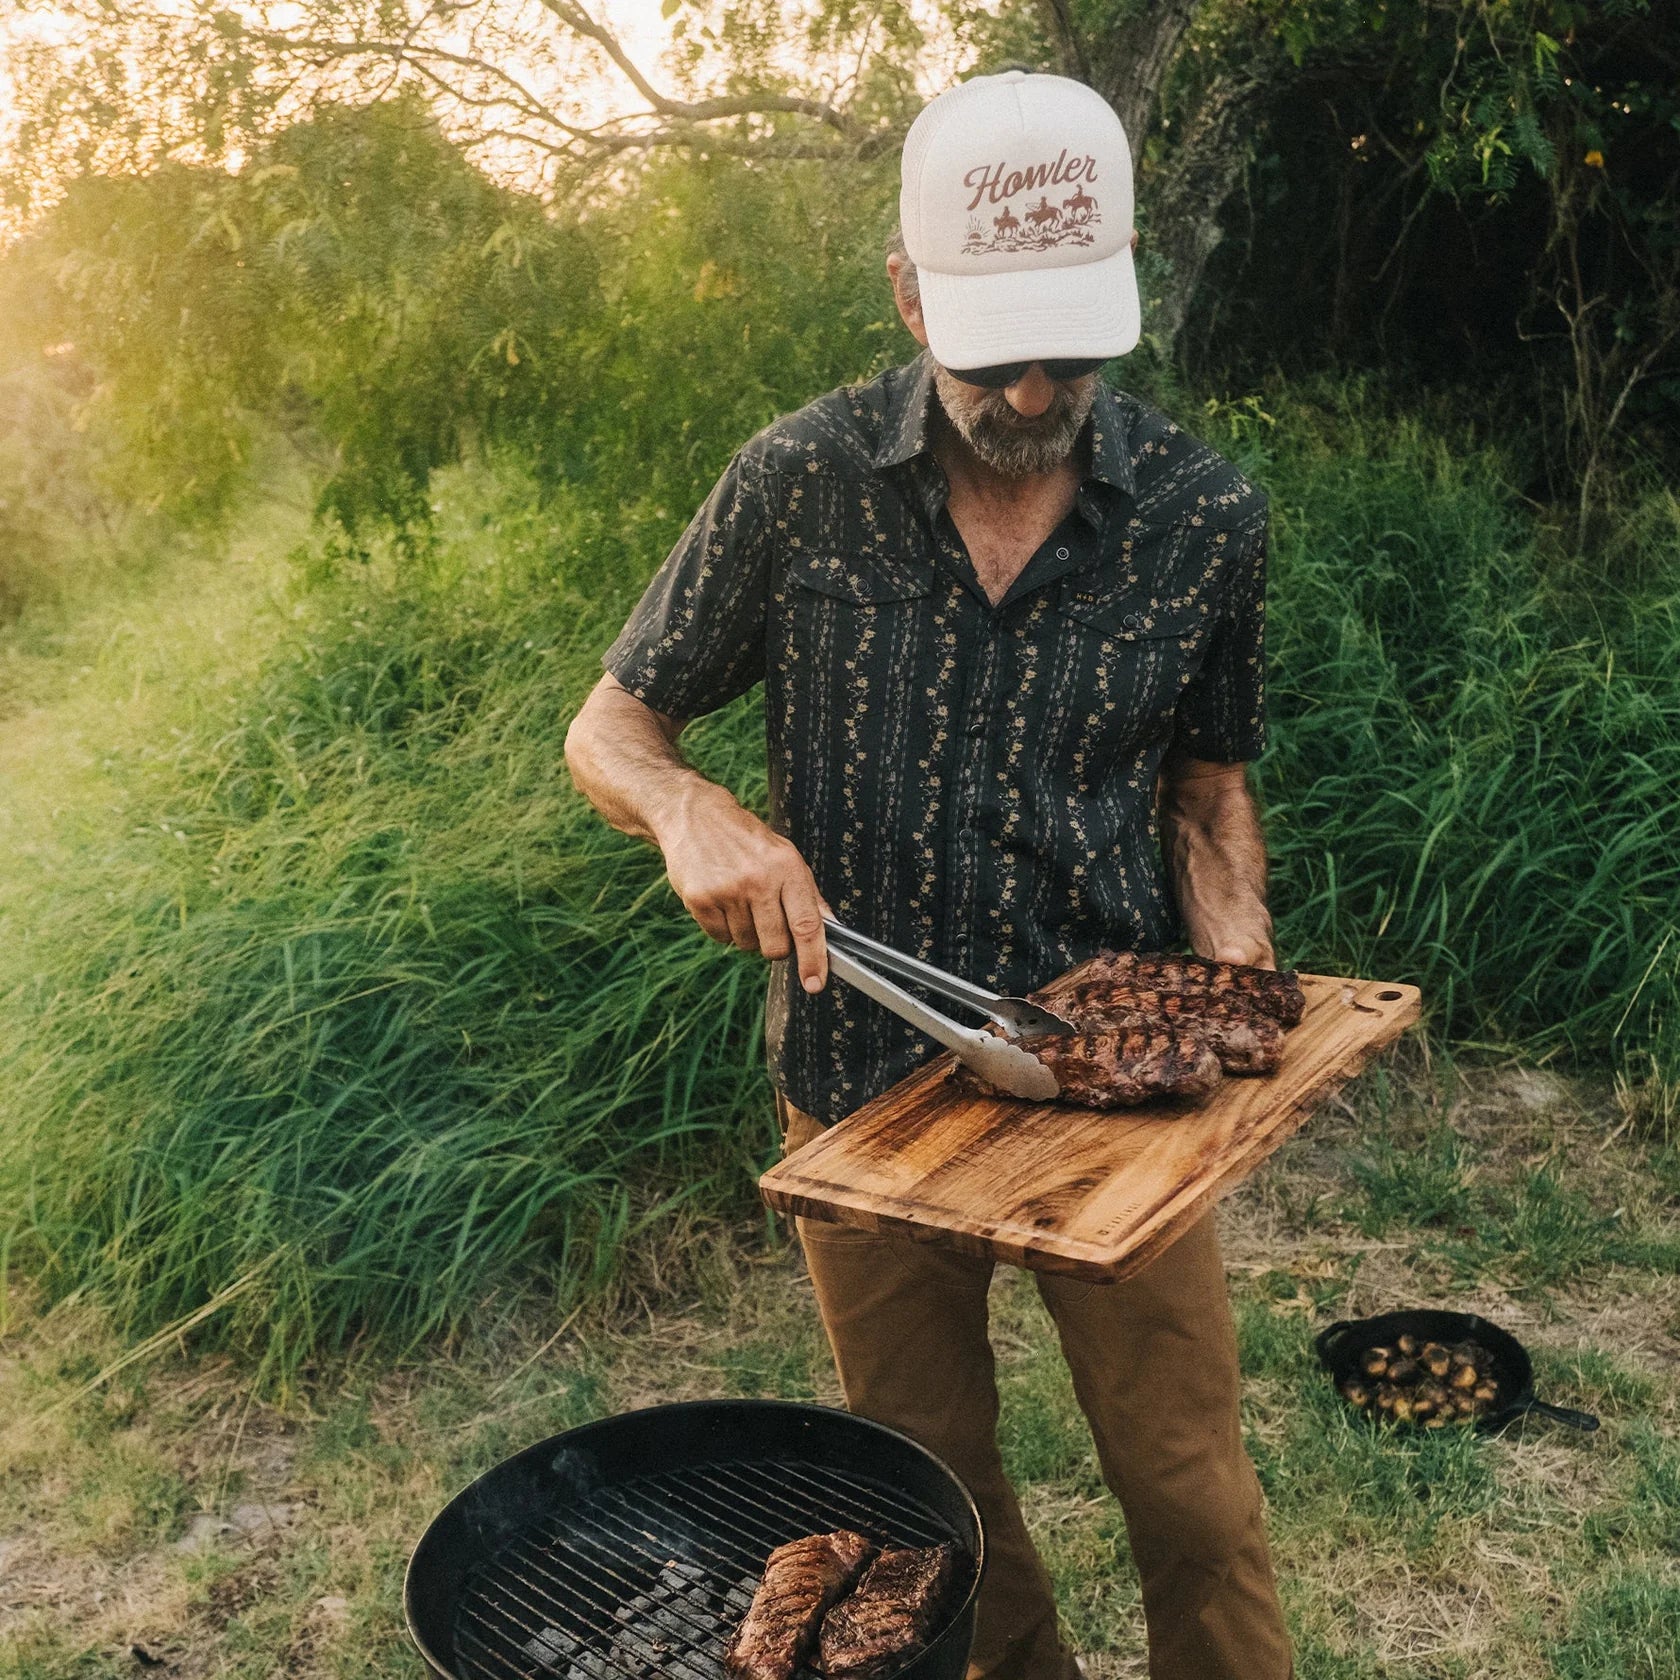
<point x="1129" y="615"/>
<point x="865" y="580"/>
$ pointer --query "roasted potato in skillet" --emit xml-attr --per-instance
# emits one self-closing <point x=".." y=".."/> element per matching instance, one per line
<point x="1422" y="1382"/>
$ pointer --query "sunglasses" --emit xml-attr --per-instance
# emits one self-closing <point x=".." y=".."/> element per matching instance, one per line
<point x="1006" y="373"/>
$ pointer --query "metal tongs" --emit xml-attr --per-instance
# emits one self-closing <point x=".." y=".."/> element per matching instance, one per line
<point x="1000" y="1061"/>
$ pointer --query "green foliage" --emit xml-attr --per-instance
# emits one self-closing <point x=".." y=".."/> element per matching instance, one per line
<point x="356" y="1010"/>
<point x="386" y="1009"/>
<point x="1427" y="1184"/>
<point x="1624" y="1628"/>
<point x="1476" y="194"/>
<point x="1476" y="746"/>
<point x="363" y="287"/>
<point x="1531" y="1228"/>
<point x="135" y="295"/>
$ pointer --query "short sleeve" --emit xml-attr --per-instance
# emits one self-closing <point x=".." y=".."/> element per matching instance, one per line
<point x="1222" y="713"/>
<point x="696" y="638"/>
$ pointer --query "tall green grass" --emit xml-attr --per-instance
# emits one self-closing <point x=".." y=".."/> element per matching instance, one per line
<point x="376" y="1008"/>
<point x="1475" y="783"/>
<point x="360" y="1013"/>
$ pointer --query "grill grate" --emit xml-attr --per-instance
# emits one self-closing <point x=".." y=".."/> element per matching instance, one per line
<point x="648" y="1578"/>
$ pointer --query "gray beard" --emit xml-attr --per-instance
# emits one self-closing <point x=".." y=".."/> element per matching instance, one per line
<point x="1009" y="445"/>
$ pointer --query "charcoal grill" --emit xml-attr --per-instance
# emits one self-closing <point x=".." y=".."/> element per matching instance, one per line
<point x="628" y="1549"/>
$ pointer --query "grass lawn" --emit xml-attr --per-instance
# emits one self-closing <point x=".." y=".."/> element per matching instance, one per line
<point x="161" y="1518"/>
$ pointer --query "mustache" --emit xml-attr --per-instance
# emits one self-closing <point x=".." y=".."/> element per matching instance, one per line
<point x="1010" y="442"/>
<point x="995" y="406"/>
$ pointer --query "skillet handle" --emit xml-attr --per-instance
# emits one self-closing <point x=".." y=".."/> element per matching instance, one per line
<point x="1584" y="1421"/>
<point x="1325" y="1341"/>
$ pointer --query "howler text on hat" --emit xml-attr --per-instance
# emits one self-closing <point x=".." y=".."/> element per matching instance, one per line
<point x="1016" y="208"/>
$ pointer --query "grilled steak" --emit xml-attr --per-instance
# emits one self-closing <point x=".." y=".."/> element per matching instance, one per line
<point x="1244" y="1039"/>
<point x="1271" y="993"/>
<point x="1119" y="1066"/>
<point x="891" y="1615"/>
<point x="801" y="1580"/>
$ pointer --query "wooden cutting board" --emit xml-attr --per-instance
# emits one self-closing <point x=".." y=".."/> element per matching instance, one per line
<point x="1073" y="1190"/>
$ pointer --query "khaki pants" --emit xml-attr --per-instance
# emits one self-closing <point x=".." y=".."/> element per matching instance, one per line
<point x="1154" y="1364"/>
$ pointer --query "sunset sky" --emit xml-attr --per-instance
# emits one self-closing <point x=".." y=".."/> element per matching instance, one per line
<point x="577" y="79"/>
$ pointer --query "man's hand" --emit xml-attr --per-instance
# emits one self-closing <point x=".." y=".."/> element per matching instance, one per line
<point x="1216" y="859"/>
<point x="1253" y="952"/>
<point x="742" y="882"/>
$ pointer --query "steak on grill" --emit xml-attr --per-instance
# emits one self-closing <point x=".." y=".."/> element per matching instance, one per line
<point x="1268" y="991"/>
<point x="1244" y="1039"/>
<point x="890" y="1616"/>
<point x="801" y="1580"/>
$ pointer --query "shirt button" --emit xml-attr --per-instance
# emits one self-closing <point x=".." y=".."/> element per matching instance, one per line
<point x="1132" y="621"/>
<point x="1061" y="554"/>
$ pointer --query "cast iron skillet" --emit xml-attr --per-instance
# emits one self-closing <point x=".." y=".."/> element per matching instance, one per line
<point x="1340" y="1346"/>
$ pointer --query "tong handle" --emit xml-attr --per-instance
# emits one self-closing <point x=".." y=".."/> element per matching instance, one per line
<point x="995" y="1059"/>
<point x="912" y="1009"/>
<point x="901" y="967"/>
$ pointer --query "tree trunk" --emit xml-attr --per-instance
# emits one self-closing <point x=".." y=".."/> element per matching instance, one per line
<point x="1185" y="197"/>
<point x="1184" y="193"/>
<point x="1129" y="66"/>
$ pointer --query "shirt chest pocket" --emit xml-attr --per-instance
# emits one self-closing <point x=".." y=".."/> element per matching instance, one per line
<point x="854" y="621"/>
<point x="855" y="637"/>
<point x="1128" y="661"/>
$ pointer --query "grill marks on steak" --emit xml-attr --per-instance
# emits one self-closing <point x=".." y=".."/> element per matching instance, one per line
<point x="1244" y="1040"/>
<point x="1116" y="1063"/>
<point x="1270" y="992"/>
<point x="801" y="1580"/>
<point x="1111" y="1065"/>
<point x="890" y="1616"/>
<point x="1154" y="1024"/>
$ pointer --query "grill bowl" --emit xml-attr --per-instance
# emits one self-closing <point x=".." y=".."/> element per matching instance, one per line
<point x="552" y="1559"/>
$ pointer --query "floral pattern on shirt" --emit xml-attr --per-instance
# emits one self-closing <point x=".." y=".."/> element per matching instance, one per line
<point x="972" y="784"/>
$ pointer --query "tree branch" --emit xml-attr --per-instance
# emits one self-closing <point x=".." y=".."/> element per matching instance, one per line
<point x="703" y="110"/>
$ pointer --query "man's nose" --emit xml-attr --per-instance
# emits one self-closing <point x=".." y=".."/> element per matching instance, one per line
<point x="1032" y="393"/>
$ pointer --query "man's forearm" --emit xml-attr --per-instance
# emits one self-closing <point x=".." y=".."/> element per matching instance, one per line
<point x="1216" y="862"/>
<point x="623" y="758"/>
<point x="744" y="884"/>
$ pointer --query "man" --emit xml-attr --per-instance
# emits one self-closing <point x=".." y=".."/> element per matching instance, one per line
<point x="1008" y="623"/>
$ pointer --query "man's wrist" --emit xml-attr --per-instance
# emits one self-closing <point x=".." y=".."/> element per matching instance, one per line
<point x="688" y="798"/>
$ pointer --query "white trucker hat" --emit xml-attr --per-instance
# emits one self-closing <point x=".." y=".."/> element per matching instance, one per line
<point x="1016" y="208"/>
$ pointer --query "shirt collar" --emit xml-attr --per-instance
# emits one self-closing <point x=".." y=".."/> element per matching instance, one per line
<point x="1111" y="454"/>
<point x="904" y="427"/>
<point x="904" y="424"/>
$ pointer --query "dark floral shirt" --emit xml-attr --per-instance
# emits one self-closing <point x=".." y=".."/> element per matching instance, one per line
<point x="973" y="784"/>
